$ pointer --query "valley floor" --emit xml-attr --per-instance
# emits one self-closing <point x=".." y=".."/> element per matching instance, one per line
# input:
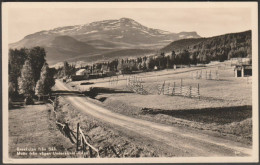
<point x="224" y="108"/>
<point x="173" y="140"/>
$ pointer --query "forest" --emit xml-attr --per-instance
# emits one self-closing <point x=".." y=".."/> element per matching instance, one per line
<point x="217" y="48"/>
<point x="29" y="74"/>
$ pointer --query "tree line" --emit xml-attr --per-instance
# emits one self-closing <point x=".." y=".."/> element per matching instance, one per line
<point x="182" y="52"/>
<point x="219" y="48"/>
<point x="29" y="74"/>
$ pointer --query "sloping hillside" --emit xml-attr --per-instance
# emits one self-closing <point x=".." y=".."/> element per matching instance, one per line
<point x="221" y="47"/>
<point x="124" y="53"/>
<point x="128" y="53"/>
<point x="65" y="47"/>
<point x="182" y="44"/>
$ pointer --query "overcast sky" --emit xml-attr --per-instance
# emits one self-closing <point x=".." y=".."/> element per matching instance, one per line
<point x="206" y="22"/>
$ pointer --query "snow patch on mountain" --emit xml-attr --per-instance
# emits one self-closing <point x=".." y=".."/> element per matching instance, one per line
<point x="164" y="32"/>
<point x="189" y="37"/>
<point x="93" y="31"/>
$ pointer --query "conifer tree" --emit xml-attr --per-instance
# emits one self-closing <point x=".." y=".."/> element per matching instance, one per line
<point x="46" y="81"/>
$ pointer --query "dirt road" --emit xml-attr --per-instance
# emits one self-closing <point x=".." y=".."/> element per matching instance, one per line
<point x="186" y="142"/>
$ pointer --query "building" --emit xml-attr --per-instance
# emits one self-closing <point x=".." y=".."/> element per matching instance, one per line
<point x="82" y="74"/>
<point x="240" y="61"/>
<point x="243" y="70"/>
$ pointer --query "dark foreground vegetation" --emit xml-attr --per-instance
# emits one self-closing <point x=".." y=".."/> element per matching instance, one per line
<point x="29" y="75"/>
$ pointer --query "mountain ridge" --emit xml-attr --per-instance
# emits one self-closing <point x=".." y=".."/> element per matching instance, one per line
<point x="116" y="34"/>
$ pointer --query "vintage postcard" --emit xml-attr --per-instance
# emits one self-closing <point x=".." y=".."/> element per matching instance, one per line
<point x="130" y="82"/>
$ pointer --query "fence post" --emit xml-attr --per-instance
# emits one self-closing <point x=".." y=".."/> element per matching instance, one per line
<point x="83" y="145"/>
<point x="168" y="92"/>
<point x="55" y="102"/>
<point x="163" y="87"/>
<point x="90" y="152"/>
<point x="190" y="90"/>
<point x="181" y="87"/>
<point x="199" y="90"/>
<point x="173" y="90"/>
<point x="77" y="137"/>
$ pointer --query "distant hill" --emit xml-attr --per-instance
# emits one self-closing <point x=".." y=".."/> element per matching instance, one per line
<point x="182" y="44"/>
<point x="128" y="53"/>
<point x="215" y="48"/>
<point x="97" y="38"/>
<point x="124" y="53"/>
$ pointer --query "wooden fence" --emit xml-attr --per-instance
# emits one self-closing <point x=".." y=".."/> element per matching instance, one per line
<point x="66" y="131"/>
<point x="135" y="84"/>
<point x="80" y="139"/>
<point x="208" y="75"/>
<point x="113" y="80"/>
<point x="83" y="144"/>
<point x="173" y="90"/>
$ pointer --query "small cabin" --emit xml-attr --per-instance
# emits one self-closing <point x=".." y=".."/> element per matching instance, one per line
<point x="243" y="70"/>
<point x="82" y="72"/>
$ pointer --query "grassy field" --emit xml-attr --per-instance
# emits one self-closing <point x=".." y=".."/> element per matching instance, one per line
<point x="33" y="127"/>
<point x="225" y="105"/>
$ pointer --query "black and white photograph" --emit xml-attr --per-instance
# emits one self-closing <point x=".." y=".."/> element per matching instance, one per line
<point x="130" y="82"/>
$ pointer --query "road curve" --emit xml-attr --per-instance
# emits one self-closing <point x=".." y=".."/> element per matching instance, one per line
<point x="185" y="142"/>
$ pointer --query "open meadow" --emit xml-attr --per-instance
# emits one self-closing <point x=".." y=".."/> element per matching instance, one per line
<point x="34" y="134"/>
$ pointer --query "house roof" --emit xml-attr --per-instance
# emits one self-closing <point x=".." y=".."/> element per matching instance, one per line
<point x="239" y="67"/>
<point x="81" y="70"/>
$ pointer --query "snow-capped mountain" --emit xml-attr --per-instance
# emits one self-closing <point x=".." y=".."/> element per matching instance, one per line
<point x="99" y="37"/>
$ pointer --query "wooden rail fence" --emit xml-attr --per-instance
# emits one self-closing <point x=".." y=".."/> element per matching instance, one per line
<point x="113" y="80"/>
<point x="187" y="91"/>
<point x="135" y="84"/>
<point x="208" y="75"/>
<point x="79" y="139"/>
<point x="83" y="144"/>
